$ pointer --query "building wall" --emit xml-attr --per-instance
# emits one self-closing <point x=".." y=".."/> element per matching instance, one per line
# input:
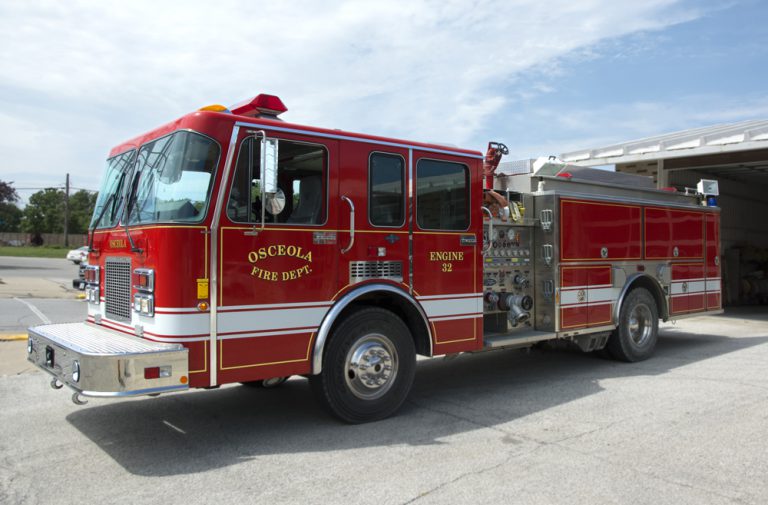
<point x="743" y="208"/>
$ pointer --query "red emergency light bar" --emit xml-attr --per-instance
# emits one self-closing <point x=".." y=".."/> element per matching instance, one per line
<point x="261" y="105"/>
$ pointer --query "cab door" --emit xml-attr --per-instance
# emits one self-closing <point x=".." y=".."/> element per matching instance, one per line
<point x="447" y="237"/>
<point x="276" y="278"/>
<point x="372" y="215"/>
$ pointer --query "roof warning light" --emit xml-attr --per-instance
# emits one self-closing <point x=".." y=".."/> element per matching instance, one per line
<point x="267" y="106"/>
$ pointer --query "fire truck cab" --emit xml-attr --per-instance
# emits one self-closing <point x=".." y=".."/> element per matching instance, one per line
<point x="229" y="246"/>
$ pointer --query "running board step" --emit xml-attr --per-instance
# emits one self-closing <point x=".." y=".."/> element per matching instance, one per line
<point x="521" y="337"/>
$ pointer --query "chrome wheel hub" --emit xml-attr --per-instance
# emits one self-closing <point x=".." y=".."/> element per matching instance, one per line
<point x="640" y="324"/>
<point x="371" y="366"/>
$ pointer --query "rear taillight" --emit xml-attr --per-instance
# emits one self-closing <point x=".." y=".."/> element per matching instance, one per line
<point x="157" y="372"/>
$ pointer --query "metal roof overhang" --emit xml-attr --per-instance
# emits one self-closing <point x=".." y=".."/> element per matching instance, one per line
<point x="727" y="138"/>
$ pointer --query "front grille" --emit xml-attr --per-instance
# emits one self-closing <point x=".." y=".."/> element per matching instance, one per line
<point x="363" y="270"/>
<point x="117" y="288"/>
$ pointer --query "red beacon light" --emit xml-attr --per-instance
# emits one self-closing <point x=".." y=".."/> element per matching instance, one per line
<point x="266" y="106"/>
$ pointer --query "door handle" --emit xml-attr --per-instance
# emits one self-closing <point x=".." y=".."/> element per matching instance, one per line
<point x="351" y="224"/>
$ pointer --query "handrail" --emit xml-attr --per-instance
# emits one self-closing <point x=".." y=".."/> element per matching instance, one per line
<point x="351" y="224"/>
<point x="490" y="230"/>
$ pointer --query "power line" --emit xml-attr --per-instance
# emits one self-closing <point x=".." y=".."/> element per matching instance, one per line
<point x="58" y="187"/>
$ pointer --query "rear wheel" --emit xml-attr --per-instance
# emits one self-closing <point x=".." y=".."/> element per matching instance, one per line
<point x="368" y="367"/>
<point x="635" y="337"/>
<point x="266" y="383"/>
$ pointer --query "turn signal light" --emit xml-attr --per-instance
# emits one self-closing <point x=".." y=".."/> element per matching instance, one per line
<point x="91" y="274"/>
<point x="144" y="279"/>
<point x="157" y="372"/>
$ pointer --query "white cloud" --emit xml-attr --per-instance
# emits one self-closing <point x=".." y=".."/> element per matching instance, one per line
<point x="78" y="77"/>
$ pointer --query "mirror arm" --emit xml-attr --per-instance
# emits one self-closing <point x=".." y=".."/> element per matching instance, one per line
<point x="256" y="135"/>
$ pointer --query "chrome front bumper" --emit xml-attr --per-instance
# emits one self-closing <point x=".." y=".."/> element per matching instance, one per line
<point x="110" y="364"/>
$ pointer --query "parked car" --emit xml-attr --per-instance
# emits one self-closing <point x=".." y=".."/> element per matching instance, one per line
<point x="79" y="283"/>
<point x="78" y="255"/>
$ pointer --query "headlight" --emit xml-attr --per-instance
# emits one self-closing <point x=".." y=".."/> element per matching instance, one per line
<point x="91" y="278"/>
<point x="76" y="371"/>
<point x="29" y="345"/>
<point x="144" y="304"/>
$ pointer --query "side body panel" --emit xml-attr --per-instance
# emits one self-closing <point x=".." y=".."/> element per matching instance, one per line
<point x="604" y="242"/>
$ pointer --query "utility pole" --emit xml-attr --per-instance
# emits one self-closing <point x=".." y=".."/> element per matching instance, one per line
<point x="66" y="214"/>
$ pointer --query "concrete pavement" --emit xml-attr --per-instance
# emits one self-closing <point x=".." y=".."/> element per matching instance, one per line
<point x="689" y="426"/>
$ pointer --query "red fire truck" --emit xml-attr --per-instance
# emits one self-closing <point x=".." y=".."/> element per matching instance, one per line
<point x="229" y="246"/>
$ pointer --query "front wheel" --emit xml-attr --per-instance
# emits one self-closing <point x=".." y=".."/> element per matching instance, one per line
<point x="635" y="337"/>
<point x="368" y="367"/>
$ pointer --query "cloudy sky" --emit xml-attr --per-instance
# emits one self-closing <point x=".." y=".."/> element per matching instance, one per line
<point x="542" y="76"/>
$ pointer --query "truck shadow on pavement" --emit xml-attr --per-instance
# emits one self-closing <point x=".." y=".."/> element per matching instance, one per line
<point x="203" y="430"/>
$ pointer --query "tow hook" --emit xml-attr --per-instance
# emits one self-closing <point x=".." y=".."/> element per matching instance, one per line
<point x="77" y="400"/>
<point x="55" y="384"/>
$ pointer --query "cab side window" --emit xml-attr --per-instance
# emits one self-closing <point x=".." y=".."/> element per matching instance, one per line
<point x="302" y="175"/>
<point x="386" y="190"/>
<point x="442" y="195"/>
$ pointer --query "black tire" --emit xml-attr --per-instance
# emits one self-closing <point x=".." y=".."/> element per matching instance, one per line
<point x="378" y="342"/>
<point x="266" y="383"/>
<point x="638" y="330"/>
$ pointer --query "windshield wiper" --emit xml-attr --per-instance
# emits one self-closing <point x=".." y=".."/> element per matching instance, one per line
<point x="129" y="208"/>
<point x="92" y="230"/>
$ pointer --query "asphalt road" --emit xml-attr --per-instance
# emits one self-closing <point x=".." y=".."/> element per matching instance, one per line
<point x="689" y="426"/>
<point x="36" y="291"/>
<point x="55" y="275"/>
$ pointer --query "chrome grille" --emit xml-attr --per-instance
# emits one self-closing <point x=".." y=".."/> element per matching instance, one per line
<point x="117" y="288"/>
<point x="363" y="270"/>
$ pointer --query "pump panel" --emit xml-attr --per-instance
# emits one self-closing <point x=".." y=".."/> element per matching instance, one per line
<point x="508" y="283"/>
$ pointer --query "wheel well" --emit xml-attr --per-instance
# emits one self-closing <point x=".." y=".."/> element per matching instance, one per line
<point x="650" y="285"/>
<point x="401" y="308"/>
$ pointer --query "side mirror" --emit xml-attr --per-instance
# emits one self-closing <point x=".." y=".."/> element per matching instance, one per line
<point x="269" y="164"/>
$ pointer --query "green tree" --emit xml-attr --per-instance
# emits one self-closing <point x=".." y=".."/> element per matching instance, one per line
<point x="45" y="212"/>
<point x="7" y="192"/>
<point x="10" y="215"/>
<point x="81" y="206"/>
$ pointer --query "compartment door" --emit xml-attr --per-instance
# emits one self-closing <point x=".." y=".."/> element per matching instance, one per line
<point x="713" y="278"/>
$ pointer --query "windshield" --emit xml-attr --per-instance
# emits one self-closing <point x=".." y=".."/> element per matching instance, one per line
<point x="112" y="191"/>
<point x="175" y="178"/>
